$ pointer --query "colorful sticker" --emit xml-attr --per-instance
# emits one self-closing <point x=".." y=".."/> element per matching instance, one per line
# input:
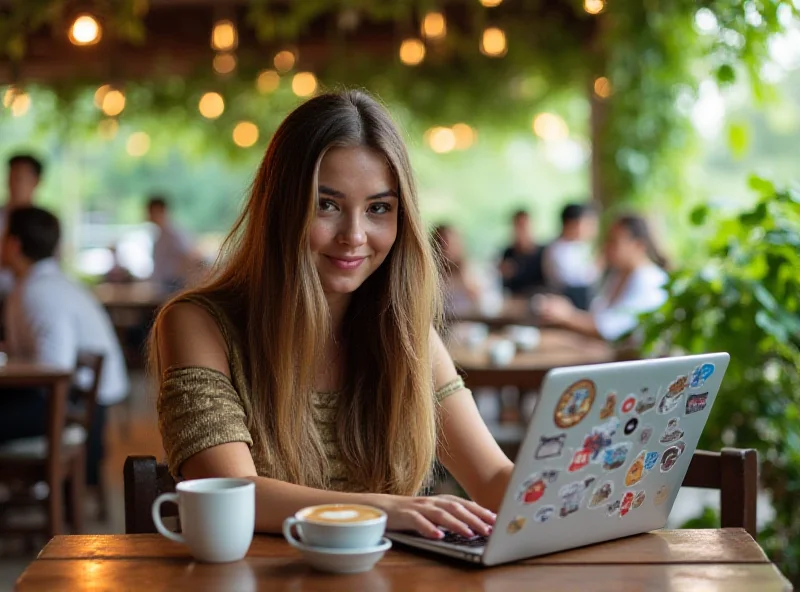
<point x="700" y="374"/>
<point x="629" y="404"/>
<point x="669" y="402"/>
<point x="600" y="438"/>
<point x="533" y="488"/>
<point x="678" y="386"/>
<point x="575" y="404"/>
<point x="614" y="456"/>
<point x="608" y="407"/>
<point x="635" y="471"/>
<point x="671" y="456"/>
<point x="672" y="432"/>
<point x="646" y="402"/>
<point x="516" y="525"/>
<point x="580" y="459"/>
<point x="544" y="514"/>
<point x="696" y="402"/>
<point x="601" y="494"/>
<point x="645" y="434"/>
<point x="627" y="502"/>
<point x="572" y="494"/>
<point x="650" y="460"/>
<point x="638" y="499"/>
<point x="550" y="446"/>
<point x="661" y="495"/>
<point x="613" y="507"/>
<point x="631" y="426"/>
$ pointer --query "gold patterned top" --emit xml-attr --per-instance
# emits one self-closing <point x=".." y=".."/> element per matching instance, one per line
<point x="200" y="407"/>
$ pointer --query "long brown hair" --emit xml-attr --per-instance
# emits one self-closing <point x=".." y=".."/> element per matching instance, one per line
<point x="268" y="284"/>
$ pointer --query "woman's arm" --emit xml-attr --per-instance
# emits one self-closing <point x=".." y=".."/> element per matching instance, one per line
<point x="466" y="448"/>
<point x="557" y="310"/>
<point x="188" y="336"/>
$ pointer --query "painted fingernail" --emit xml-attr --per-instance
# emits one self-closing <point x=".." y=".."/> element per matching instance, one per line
<point x="439" y="534"/>
<point x="489" y="530"/>
<point x="470" y="533"/>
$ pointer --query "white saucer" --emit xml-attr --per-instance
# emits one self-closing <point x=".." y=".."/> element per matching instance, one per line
<point x="343" y="561"/>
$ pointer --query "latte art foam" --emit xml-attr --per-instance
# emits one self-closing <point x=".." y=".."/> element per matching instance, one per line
<point x="341" y="513"/>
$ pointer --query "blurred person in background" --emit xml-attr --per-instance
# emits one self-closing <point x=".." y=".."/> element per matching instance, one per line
<point x="461" y="293"/>
<point x="49" y="319"/>
<point x="176" y="262"/>
<point x="118" y="274"/>
<point x="570" y="265"/>
<point x="633" y="286"/>
<point x="521" y="264"/>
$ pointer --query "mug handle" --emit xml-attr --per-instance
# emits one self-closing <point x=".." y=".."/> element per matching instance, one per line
<point x="288" y="525"/>
<point x="156" y="512"/>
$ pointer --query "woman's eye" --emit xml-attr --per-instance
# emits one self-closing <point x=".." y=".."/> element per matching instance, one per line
<point x="326" y="205"/>
<point x="380" y="208"/>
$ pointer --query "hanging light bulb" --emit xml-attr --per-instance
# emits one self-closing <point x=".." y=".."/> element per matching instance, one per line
<point x="85" y="30"/>
<point x="113" y="103"/>
<point x="245" y="134"/>
<point x="304" y="84"/>
<point x="412" y="52"/>
<point x="211" y="105"/>
<point x="284" y="60"/>
<point x="224" y="36"/>
<point x="493" y="42"/>
<point x="434" y="26"/>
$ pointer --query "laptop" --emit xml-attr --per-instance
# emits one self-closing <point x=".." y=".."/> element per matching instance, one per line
<point x="604" y="456"/>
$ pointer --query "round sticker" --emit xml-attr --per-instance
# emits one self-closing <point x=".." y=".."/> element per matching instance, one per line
<point x="638" y="499"/>
<point x="628" y="404"/>
<point x="635" y="471"/>
<point x="672" y="432"/>
<point x="516" y="525"/>
<point x="575" y="404"/>
<point x="670" y="456"/>
<point x="544" y="513"/>
<point x="631" y="426"/>
<point x="601" y="494"/>
<point x="661" y="495"/>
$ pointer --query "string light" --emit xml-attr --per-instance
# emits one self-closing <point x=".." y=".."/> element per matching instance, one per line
<point x="211" y="105"/>
<point x="100" y="94"/>
<point x="284" y="60"/>
<point x="304" y="84"/>
<point x="602" y="87"/>
<point x="550" y="127"/>
<point x="108" y="128"/>
<point x="441" y="139"/>
<point x="224" y="63"/>
<point x="20" y="104"/>
<point x="224" y="36"/>
<point x="8" y="96"/>
<point x="113" y="103"/>
<point x="434" y="26"/>
<point x="85" y="30"/>
<point x="491" y="3"/>
<point x="493" y="42"/>
<point x="594" y="6"/>
<point x="245" y="134"/>
<point x="412" y="52"/>
<point x="268" y="81"/>
<point x="138" y="144"/>
<point x="464" y="135"/>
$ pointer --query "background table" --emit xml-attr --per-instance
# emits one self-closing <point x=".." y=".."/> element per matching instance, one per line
<point x="721" y="559"/>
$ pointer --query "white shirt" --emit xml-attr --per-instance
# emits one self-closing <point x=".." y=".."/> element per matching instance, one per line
<point x="171" y="256"/>
<point x="643" y="292"/>
<point x="570" y="263"/>
<point x="49" y="318"/>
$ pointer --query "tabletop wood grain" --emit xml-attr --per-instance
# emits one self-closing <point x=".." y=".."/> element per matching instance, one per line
<point x="716" y="559"/>
<point x="16" y="371"/>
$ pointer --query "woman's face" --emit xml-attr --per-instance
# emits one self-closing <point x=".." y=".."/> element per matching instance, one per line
<point x="622" y="250"/>
<point x="356" y="220"/>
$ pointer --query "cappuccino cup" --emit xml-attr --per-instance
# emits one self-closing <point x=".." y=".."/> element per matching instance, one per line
<point x="336" y="526"/>
<point x="218" y="517"/>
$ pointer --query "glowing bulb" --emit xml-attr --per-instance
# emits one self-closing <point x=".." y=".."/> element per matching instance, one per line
<point x="594" y="6"/>
<point x="442" y="139"/>
<point x="493" y="42"/>
<point x="211" y="105"/>
<point x="284" y="60"/>
<point x="8" y="96"/>
<point x="412" y="52"/>
<point x="491" y="3"/>
<point x="108" y="128"/>
<point x="138" y="144"/>
<point x="602" y="87"/>
<point x="113" y="103"/>
<point x="100" y="94"/>
<point x="268" y="81"/>
<point x="304" y="84"/>
<point x="245" y="134"/>
<point x="464" y="135"/>
<point x="20" y="104"/>
<point x="223" y="36"/>
<point x="85" y="30"/>
<point x="434" y="26"/>
<point x="224" y="63"/>
<point x="550" y="127"/>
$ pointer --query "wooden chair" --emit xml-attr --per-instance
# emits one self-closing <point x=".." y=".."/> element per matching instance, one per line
<point x="145" y="479"/>
<point x="24" y="462"/>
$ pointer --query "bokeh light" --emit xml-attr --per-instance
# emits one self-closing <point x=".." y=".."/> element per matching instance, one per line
<point x="594" y="6"/>
<point x="223" y="36"/>
<point x="412" y="52"/>
<point x="108" y="128"/>
<point x="211" y="105"/>
<point x="550" y="127"/>
<point x="493" y="42"/>
<point x="464" y="135"/>
<point x="138" y="144"/>
<point x="113" y="103"/>
<point x="434" y="26"/>
<point x="284" y="60"/>
<point x="245" y="134"/>
<point x="304" y="84"/>
<point x="268" y="81"/>
<point x="85" y="30"/>
<point x="602" y="87"/>
<point x="224" y="63"/>
<point x="441" y="139"/>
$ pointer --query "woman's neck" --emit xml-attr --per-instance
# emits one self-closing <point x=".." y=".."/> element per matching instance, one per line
<point x="337" y="306"/>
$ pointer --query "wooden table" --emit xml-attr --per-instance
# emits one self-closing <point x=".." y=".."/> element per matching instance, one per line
<point x="722" y="559"/>
<point x="56" y="381"/>
<point x="515" y="311"/>
<point x="136" y="295"/>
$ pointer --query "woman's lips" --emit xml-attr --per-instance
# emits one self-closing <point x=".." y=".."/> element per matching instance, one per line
<point x="346" y="263"/>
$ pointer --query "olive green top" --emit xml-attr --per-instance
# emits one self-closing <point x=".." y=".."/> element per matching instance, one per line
<point x="199" y="408"/>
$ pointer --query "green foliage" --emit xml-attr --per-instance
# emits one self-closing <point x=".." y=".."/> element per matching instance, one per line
<point x="741" y="294"/>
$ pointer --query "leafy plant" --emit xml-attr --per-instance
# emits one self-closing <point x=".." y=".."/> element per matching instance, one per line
<point x="741" y="294"/>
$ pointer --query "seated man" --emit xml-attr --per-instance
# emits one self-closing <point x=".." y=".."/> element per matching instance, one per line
<point x="49" y="319"/>
<point x="521" y="264"/>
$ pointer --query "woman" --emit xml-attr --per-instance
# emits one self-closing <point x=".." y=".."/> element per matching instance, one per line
<point x="461" y="293"/>
<point x="310" y="365"/>
<point x="635" y="285"/>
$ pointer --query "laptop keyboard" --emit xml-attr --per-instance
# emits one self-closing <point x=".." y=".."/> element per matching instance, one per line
<point x="462" y="541"/>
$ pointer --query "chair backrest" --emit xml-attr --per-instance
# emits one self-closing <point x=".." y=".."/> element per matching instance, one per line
<point x="145" y="479"/>
<point x="735" y="473"/>
<point x="92" y="364"/>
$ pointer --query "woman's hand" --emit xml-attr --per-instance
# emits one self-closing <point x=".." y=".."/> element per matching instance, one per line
<point x="428" y="515"/>
<point x="554" y="309"/>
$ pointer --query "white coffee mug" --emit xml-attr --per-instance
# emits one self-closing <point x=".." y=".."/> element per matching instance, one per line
<point x="334" y="533"/>
<point x="218" y="517"/>
<point x="502" y="352"/>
